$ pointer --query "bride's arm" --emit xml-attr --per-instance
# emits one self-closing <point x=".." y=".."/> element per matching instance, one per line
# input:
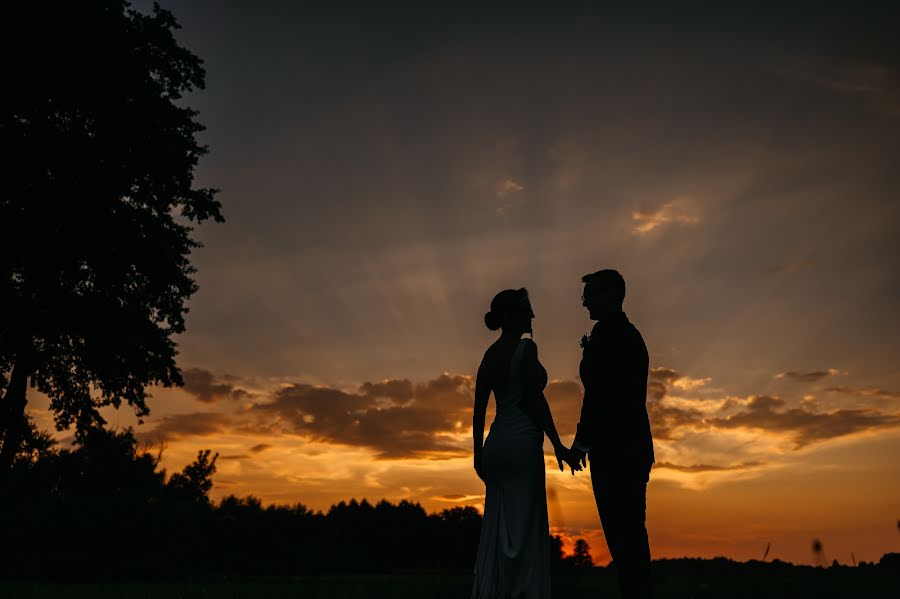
<point x="482" y="395"/>
<point x="535" y="401"/>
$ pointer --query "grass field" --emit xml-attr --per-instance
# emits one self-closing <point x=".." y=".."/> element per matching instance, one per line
<point x="702" y="580"/>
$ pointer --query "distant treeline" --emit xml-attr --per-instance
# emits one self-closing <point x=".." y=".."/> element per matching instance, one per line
<point x="106" y="508"/>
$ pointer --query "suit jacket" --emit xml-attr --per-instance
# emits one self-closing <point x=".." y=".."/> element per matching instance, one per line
<point x="614" y="422"/>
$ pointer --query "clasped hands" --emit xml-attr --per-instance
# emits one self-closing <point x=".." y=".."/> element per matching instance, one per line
<point x="572" y="457"/>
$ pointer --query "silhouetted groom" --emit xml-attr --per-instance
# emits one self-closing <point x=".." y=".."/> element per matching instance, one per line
<point x="614" y="430"/>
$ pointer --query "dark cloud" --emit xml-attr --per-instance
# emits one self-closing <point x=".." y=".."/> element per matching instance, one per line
<point x="866" y="392"/>
<point x="664" y="375"/>
<point x="665" y="420"/>
<point x="418" y="427"/>
<point x="197" y="424"/>
<point x="656" y="390"/>
<point x="803" y="425"/>
<point x="206" y="387"/>
<point x="397" y="390"/>
<point x="452" y="391"/>
<point x="400" y="419"/>
<point x="806" y="377"/>
<point x="241" y="456"/>
<point x="764" y="402"/>
<point x="707" y="467"/>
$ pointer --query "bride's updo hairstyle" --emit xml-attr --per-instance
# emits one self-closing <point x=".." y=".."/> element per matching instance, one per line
<point x="506" y="301"/>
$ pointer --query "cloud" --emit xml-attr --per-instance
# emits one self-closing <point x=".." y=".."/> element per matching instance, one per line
<point x="207" y="388"/>
<point x="398" y="418"/>
<point x="434" y="413"/>
<point x="665" y="375"/>
<point x="394" y="417"/>
<point x="397" y="390"/>
<point x="687" y="383"/>
<point x="663" y="378"/>
<point x="803" y="425"/>
<point x="509" y="187"/>
<point x="458" y="498"/>
<point x="877" y="84"/>
<point x="807" y="377"/>
<point x="674" y="212"/>
<point x="197" y="424"/>
<point x="866" y="80"/>
<point x="665" y="421"/>
<point x="760" y="403"/>
<point x="810" y="402"/>
<point x="865" y="392"/>
<point x="708" y="468"/>
<point x="505" y="191"/>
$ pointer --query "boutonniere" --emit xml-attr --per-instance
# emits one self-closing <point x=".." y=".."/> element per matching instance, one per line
<point x="585" y="340"/>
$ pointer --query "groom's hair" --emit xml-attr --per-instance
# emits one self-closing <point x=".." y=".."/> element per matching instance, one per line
<point x="608" y="280"/>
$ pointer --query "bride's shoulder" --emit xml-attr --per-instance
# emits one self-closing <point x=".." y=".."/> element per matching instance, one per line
<point x="491" y="354"/>
<point x="529" y="347"/>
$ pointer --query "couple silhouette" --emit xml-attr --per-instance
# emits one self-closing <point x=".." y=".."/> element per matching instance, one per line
<point x="613" y="435"/>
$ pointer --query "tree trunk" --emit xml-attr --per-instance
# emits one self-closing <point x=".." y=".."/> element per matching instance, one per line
<point x="12" y="415"/>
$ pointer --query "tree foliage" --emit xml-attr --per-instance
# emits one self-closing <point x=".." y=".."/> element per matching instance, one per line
<point x="581" y="555"/>
<point x="97" y="212"/>
<point x="105" y="484"/>
<point x="106" y="494"/>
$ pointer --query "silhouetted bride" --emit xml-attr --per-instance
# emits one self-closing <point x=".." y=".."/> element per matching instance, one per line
<point x="514" y="550"/>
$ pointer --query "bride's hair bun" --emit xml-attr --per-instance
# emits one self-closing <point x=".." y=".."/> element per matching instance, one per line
<point x="492" y="320"/>
<point x="508" y="300"/>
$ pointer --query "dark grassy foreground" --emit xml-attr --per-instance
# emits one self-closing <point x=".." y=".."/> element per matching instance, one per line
<point x="686" y="579"/>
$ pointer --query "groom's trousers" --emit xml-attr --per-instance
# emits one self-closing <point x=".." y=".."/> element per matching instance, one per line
<point x="621" y="495"/>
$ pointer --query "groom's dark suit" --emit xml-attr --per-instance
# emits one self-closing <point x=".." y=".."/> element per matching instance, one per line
<point x="615" y="431"/>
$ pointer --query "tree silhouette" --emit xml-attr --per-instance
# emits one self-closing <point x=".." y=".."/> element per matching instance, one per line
<point x="557" y="555"/>
<point x="581" y="556"/>
<point x="195" y="482"/>
<point x="104" y="507"/>
<point x="97" y="211"/>
<point x="818" y="552"/>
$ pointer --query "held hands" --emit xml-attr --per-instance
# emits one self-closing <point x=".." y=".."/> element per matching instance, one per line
<point x="572" y="457"/>
<point x="578" y="457"/>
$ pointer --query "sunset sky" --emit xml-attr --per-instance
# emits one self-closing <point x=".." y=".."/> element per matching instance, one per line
<point x="385" y="170"/>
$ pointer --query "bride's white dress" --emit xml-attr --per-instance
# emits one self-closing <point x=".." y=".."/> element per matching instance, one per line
<point x="514" y="550"/>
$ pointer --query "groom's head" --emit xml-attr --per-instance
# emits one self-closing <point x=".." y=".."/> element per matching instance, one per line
<point x="604" y="292"/>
